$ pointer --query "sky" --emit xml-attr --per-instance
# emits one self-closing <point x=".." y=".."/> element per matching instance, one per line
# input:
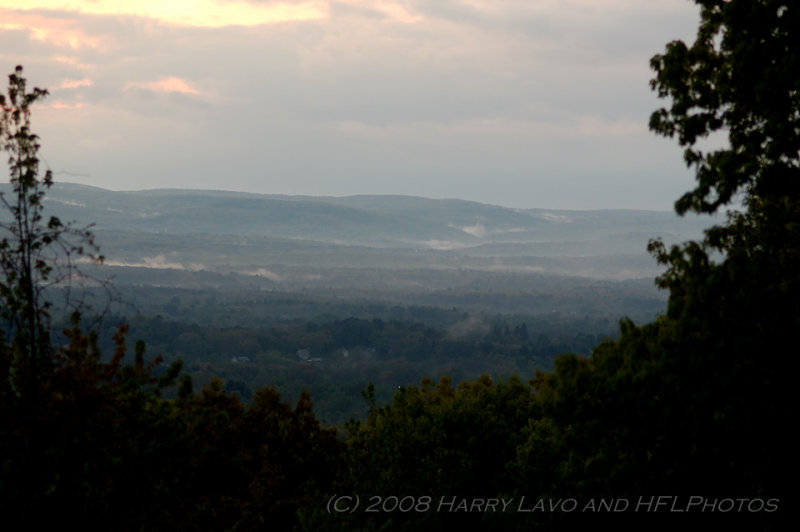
<point x="521" y="103"/>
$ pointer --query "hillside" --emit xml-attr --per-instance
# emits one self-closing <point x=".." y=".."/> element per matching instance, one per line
<point x="272" y="235"/>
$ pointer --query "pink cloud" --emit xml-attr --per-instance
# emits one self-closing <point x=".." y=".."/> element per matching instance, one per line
<point x="58" y="104"/>
<point x="200" y="13"/>
<point x="168" y="84"/>
<point x="74" y="83"/>
<point x="58" y="31"/>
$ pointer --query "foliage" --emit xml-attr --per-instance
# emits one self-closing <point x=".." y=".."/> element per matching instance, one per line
<point x="35" y="252"/>
<point x="436" y="440"/>
<point x="351" y="352"/>
<point x="697" y="401"/>
<point x="88" y="441"/>
<point x="739" y="78"/>
<point x="113" y="454"/>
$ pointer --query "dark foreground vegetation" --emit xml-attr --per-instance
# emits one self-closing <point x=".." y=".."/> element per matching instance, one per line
<point x="680" y="421"/>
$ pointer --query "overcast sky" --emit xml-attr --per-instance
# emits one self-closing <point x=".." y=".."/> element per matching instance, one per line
<point x="523" y="103"/>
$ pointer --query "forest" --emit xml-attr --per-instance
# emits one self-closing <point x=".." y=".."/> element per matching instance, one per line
<point x="680" y="421"/>
<point x="335" y="359"/>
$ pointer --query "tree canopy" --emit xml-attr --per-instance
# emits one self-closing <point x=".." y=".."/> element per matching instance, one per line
<point x="739" y="78"/>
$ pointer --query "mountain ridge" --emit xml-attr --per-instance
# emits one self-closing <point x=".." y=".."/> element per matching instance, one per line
<point x="243" y="232"/>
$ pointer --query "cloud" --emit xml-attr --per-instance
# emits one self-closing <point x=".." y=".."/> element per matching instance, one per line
<point x="199" y="13"/>
<point x="165" y="85"/>
<point x="59" y="104"/>
<point x="389" y="10"/>
<point x="74" y="83"/>
<point x="64" y="32"/>
<point x="519" y="102"/>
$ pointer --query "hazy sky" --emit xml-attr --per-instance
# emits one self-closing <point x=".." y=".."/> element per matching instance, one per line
<point x="524" y="103"/>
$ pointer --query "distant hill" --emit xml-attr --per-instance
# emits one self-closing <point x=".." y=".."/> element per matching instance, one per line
<point x="250" y="233"/>
<point x="391" y="221"/>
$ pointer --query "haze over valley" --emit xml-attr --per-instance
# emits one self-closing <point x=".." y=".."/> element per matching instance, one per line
<point x="364" y="242"/>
